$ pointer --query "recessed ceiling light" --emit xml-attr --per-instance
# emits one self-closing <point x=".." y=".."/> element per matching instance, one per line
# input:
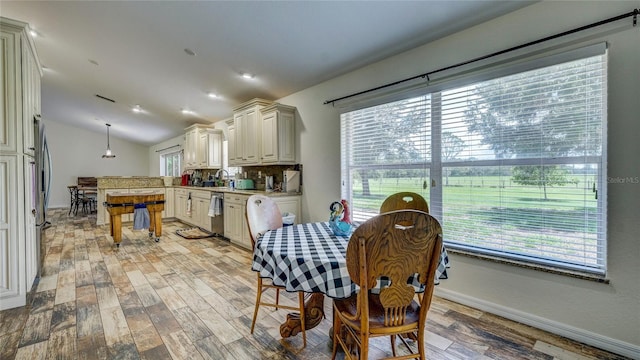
<point x="136" y="109"/>
<point x="187" y="112"/>
<point x="212" y="95"/>
<point x="190" y="52"/>
<point x="247" y="76"/>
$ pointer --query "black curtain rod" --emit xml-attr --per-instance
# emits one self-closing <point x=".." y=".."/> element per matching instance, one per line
<point x="167" y="148"/>
<point x="633" y="13"/>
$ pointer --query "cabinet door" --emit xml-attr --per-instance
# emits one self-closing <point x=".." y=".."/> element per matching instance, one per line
<point x="286" y="137"/>
<point x="214" y="150"/>
<point x="202" y="213"/>
<point x="251" y="139"/>
<point x="30" y="194"/>
<point x="169" y="201"/>
<point x="180" y="206"/>
<point x="269" y="137"/>
<point x="28" y="101"/>
<point x="289" y="204"/>
<point x="240" y="124"/>
<point x="232" y="144"/>
<point x="8" y="89"/>
<point x="12" y="291"/>
<point x="233" y="221"/>
<point x="190" y="144"/>
<point x="201" y="149"/>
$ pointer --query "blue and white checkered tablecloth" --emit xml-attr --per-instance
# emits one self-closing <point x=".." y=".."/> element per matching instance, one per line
<point x="310" y="258"/>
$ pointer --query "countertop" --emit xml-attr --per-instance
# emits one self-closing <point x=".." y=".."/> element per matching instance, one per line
<point x="137" y="182"/>
<point x="237" y="191"/>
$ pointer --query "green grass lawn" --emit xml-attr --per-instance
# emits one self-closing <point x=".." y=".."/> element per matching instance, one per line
<point x="495" y="212"/>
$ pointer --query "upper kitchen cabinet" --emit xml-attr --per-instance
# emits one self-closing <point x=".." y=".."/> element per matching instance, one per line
<point x="202" y="147"/>
<point x="262" y="133"/>
<point x="278" y="131"/>
<point x="20" y="86"/>
<point x="213" y="144"/>
<point x="247" y="122"/>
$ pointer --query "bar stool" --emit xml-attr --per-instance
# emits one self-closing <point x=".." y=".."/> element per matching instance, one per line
<point x="73" y="194"/>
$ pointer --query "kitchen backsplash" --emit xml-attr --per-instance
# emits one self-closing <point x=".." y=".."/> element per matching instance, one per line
<point x="252" y="173"/>
<point x="273" y="170"/>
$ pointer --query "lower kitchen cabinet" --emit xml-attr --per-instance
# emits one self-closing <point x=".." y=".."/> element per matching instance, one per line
<point x="169" y="199"/>
<point x="199" y="214"/>
<point x="235" y="221"/>
<point x="289" y="204"/>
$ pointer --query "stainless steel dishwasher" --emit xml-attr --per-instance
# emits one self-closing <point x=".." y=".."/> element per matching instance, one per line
<point x="217" y="221"/>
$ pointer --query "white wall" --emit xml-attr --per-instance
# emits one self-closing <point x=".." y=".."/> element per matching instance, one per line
<point x="605" y="315"/>
<point x="76" y="152"/>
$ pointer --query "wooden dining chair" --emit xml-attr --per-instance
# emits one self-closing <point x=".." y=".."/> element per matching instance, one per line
<point x="263" y="215"/>
<point x="404" y="200"/>
<point x="395" y="245"/>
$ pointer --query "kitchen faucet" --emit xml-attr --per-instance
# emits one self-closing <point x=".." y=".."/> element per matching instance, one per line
<point x="218" y="174"/>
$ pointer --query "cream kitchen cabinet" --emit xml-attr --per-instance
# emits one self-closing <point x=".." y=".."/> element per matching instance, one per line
<point x="191" y="142"/>
<point x="180" y="204"/>
<point x="235" y="221"/>
<point x="200" y="201"/>
<point x="231" y="143"/>
<point x="20" y="73"/>
<point x="278" y="134"/>
<point x="202" y="147"/>
<point x="213" y="146"/>
<point x="289" y="204"/>
<point x="199" y="214"/>
<point x="247" y="120"/>
<point x="169" y="201"/>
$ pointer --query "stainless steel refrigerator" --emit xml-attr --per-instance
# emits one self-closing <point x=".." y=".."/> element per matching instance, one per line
<point x="41" y="185"/>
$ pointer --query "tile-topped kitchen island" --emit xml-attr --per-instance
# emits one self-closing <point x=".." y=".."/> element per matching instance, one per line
<point x="176" y="199"/>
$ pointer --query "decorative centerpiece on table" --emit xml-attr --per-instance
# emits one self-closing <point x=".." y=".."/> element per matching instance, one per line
<point x="340" y="218"/>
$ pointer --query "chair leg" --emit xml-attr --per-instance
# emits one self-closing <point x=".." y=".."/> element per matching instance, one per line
<point x="336" y="332"/>
<point x="420" y="341"/>
<point x="302" y="318"/>
<point x="364" y="346"/>
<point x="393" y="345"/>
<point x="277" y="298"/>
<point x="258" y="296"/>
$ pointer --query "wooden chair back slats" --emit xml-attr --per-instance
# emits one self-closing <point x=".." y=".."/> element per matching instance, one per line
<point x="395" y="245"/>
<point x="87" y="181"/>
<point x="404" y="201"/>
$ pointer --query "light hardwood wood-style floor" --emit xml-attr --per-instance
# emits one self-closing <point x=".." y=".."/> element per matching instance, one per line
<point x="193" y="299"/>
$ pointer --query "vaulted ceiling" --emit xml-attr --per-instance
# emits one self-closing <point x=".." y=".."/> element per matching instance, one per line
<point x="168" y="56"/>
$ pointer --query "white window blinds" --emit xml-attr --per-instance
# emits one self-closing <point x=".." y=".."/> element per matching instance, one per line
<point x="385" y="149"/>
<point x="517" y="162"/>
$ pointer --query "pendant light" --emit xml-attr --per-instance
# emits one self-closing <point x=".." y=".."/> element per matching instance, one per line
<point x="108" y="154"/>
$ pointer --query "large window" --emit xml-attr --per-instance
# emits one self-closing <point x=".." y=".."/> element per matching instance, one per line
<point x="512" y="166"/>
<point x="170" y="164"/>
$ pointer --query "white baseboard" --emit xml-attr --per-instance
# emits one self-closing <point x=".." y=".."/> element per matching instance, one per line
<point x="583" y="336"/>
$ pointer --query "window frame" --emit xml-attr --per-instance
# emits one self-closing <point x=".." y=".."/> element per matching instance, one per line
<point x="437" y="164"/>
<point x="163" y="162"/>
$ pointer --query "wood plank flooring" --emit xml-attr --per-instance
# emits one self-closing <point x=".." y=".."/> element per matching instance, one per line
<point x="193" y="299"/>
